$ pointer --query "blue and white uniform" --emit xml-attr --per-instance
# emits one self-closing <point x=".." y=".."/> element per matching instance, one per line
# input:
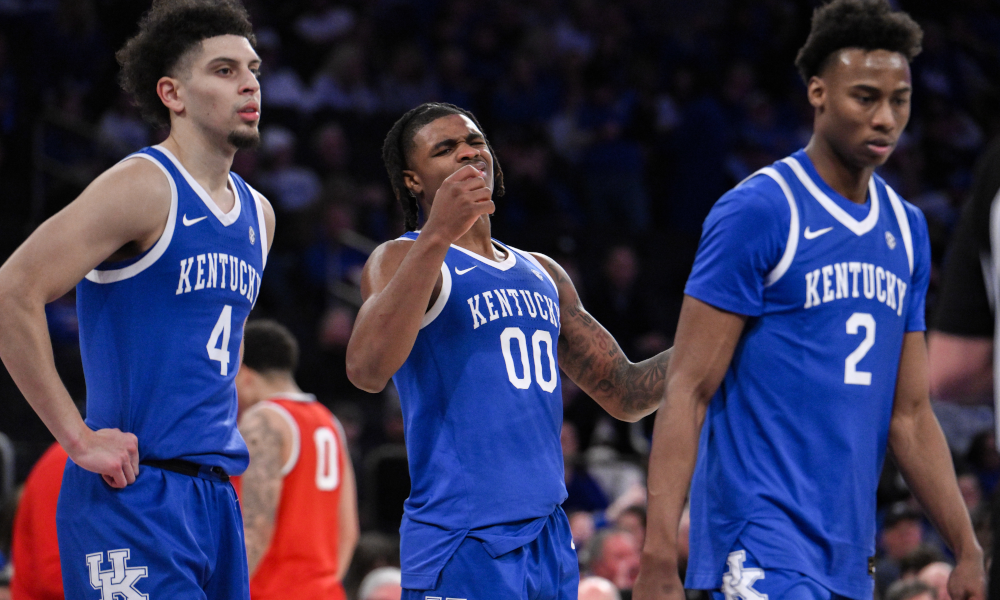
<point x="482" y="408"/>
<point x="794" y="439"/>
<point x="160" y="339"/>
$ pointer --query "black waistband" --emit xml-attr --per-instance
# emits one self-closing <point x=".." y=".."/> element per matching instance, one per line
<point x="185" y="467"/>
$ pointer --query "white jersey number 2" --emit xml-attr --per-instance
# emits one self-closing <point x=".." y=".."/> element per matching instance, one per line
<point x="513" y="335"/>
<point x="220" y="352"/>
<point x="851" y="373"/>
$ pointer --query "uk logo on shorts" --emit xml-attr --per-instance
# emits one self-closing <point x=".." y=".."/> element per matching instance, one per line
<point x="738" y="582"/>
<point x="118" y="583"/>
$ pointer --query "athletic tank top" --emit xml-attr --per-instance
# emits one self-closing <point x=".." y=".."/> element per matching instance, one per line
<point x="302" y="560"/>
<point x="160" y="333"/>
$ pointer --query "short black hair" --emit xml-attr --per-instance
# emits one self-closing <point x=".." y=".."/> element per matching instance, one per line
<point x="399" y="143"/>
<point x="166" y="32"/>
<point x="865" y="24"/>
<point x="269" y="347"/>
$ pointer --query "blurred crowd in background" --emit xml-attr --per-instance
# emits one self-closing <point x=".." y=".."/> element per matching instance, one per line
<point x="617" y="124"/>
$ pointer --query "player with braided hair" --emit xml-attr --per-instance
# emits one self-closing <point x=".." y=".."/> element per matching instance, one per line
<point x="473" y="333"/>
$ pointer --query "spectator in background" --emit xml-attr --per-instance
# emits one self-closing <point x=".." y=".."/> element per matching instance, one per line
<point x="342" y="84"/>
<point x="902" y="532"/>
<point x="293" y="187"/>
<point x="910" y="589"/>
<point x="584" y="494"/>
<point x="598" y="588"/>
<point x="918" y="558"/>
<point x="121" y="130"/>
<point x="633" y="520"/>
<point x="381" y="584"/>
<point x="374" y="550"/>
<point x="614" y="555"/>
<point x="936" y="575"/>
<point x="35" y="550"/>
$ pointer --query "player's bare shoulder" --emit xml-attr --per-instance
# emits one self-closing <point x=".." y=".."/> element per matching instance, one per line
<point x="382" y="265"/>
<point x="567" y="291"/>
<point x="135" y="194"/>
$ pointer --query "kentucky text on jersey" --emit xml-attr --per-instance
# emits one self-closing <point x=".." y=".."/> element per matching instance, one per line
<point x="840" y="281"/>
<point x="211" y="273"/>
<point x="538" y="306"/>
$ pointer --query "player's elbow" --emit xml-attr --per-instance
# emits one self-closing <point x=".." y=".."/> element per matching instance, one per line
<point x="363" y="376"/>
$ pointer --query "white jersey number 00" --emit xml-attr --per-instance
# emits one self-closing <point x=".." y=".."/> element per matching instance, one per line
<point x="540" y="337"/>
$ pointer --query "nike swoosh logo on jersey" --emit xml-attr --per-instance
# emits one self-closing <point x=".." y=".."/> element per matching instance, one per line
<point x="190" y="222"/>
<point x="811" y="235"/>
<point x="464" y="271"/>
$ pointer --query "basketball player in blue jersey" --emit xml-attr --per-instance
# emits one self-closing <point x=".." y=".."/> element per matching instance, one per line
<point x="473" y="333"/>
<point x="166" y="250"/>
<point x="800" y="352"/>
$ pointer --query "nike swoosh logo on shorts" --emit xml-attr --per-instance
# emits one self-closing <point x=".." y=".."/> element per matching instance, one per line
<point x="464" y="271"/>
<point x="811" y="235"/>
<point x="190" y="222"/>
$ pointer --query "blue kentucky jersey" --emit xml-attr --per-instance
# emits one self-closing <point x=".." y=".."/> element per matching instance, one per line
<point x="160" y="333"/>
<point x="482" y="408"/>
<point x="794" y="439"/>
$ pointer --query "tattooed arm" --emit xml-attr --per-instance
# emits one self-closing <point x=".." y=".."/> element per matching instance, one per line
<point x="269" y="439"/>
<point x="594" y="361"/>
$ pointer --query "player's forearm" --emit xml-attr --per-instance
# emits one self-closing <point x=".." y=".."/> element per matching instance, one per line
<point x="922" y="454"/>
<point x="388" y="322"/>
<point x="26" y="351"/>
<point x="671" y="466"/>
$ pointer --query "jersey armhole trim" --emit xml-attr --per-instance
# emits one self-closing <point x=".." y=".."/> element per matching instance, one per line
<point x="442" y="298"/>
<point x="793" y="229"/>
<point x="261" y="224"/>
<point x="161" y="245"/>
<point x="293" y="458"/>
<point x="904" y="223"/>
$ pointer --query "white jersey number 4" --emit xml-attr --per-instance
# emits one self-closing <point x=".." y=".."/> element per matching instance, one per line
<point x="851" y="373"/>
<point x="220" y="352"/>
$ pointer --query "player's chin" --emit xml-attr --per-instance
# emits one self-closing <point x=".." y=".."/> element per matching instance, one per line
<point x="244" y="138"/>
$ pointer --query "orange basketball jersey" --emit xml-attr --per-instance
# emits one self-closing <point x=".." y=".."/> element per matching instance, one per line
<point x="301" y="561"/>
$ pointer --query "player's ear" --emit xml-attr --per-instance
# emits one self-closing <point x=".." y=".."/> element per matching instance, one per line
<point x="168" y="89"/>
<point x="413" y="183"/>
<point x="816" y="92"/>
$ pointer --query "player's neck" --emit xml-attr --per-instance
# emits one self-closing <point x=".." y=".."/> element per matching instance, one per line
<point x="478" y="239"/>
<point x="279" y="386"/>
<point x="849" y="181"/>
<point x="204" y="159"/>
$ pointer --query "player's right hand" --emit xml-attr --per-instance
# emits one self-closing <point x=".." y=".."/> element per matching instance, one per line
<point x="112" y="454"/>
<point x="659" y="581"/>
<point x="462" y="198"/>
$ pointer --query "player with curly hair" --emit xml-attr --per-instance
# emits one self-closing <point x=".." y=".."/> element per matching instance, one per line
<point x="166" y="251"/>
<point x="800" y="352"/>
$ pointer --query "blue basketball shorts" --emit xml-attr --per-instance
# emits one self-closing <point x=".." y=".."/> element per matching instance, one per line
<point x="744" y="579"/>
<point x="544" y="569"/>
<point x="166" y="536"/>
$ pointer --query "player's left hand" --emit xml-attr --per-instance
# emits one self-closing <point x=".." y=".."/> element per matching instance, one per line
<point x="968" y="580"/>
